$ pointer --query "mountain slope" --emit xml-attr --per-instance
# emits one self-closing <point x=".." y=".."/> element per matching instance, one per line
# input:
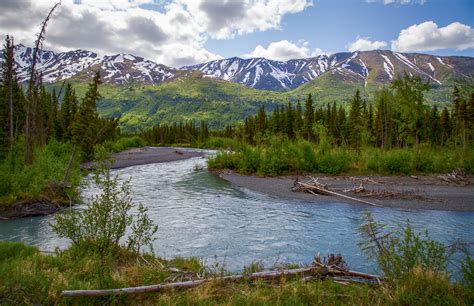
<point x="117" y="69"/>
<point x="377" y="66"/>
<point x="367" y="67"/>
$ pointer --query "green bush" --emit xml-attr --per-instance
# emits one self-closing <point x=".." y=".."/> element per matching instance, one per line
<point x="221" y="143"/>
<point x="224" y="160"/>
<point x="334" y="162"/>
<point x="397" y="162"/>
<point x="20" y="181"/>
<point x="401" y="252"/>
<point x="125" y="143"/>
<point x="249" y="160"/>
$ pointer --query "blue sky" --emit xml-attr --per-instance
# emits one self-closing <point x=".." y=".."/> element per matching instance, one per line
<point x="184" y="32"/>
<point x="332" y="25"/>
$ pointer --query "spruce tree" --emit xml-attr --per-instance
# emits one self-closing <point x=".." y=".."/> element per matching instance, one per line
<point x="444" y="126"/>
<point x="308" y="118"/>
<point x="355" y="121"/>
<point x="84" y="127"/>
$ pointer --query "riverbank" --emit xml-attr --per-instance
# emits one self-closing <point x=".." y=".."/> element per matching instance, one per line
<point x="147" y="155"/>
<point x="42" y="206"/>
<point x="406" y="192"/>
<point x="30" y="277"/>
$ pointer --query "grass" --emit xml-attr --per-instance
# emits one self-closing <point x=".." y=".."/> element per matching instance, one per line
<point x="30" y="277"/>
<point x="279" y="156"/>
<point x="25" y="182"/>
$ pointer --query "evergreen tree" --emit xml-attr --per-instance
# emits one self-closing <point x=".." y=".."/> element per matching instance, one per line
<point x="261" y="120"/>
<point x="444" y="126"/>
<point x="355" y="121"/>
<point x="7" y="107"/>
<point x="308" y="118"/>
<point x="84" y="128"/>
<point x="298" y="126"/>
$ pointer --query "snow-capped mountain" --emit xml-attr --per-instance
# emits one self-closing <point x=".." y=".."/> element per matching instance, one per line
<point x="377" y="66"/>
<point x="380" y="66"/>
<point x="115" y="69"/>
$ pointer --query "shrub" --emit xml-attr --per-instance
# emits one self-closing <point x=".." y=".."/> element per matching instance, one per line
<point x="223" y="160"/>
<point x="23" y="182"/>
<point x="467" y="273"/>
<point x="399" y="253"/>
<point x="106" y="219"/>
<point x="249" y="160"/>
<point x="125" y="143"/>
<point x="397" y="162"/>
<point x="334" y="162"/>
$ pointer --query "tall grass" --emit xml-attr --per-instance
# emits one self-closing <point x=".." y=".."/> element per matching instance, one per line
<point x="23" y="182"/>
<point x="278" y="156"/>
<point x="29" y="277"/>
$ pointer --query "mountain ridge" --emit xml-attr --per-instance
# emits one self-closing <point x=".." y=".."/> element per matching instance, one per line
<point x="376" y="66"/>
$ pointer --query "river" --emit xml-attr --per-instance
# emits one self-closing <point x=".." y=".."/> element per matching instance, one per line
<point x="200" y="214"/>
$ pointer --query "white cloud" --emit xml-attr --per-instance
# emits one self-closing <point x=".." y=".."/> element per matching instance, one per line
<point x="226" y="18"/>
<point x="364" y="44"/>
<point x="427" y="36"/>
<point x="397" y="2"/>
<point x="284" y="50"/>
<point x="175" y="35"/>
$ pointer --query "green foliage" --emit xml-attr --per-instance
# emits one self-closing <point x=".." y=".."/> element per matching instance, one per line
<point x="467" y="273"/>
<point x="397" y="162"/>
<point x="421" y="287"/>
<point x="400" y="252"/>
<point x="28" y="277"/>
<point x="24" y="182"/>
<point x="221" y="143"/>
<point x="104" y="223"/>
<point x="124" y="143"/>
<point x="335" y="162"/>
<point x="14" y="250"/>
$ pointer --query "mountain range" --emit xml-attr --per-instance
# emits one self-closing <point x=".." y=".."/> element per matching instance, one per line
<point x="222" y="91"/>
<point x="379" y="66"/>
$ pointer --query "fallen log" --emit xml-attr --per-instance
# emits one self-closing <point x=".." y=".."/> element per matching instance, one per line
<point x="267" y="275"/>
<point x="306" y="273"/>
<point x="325" y="191"/>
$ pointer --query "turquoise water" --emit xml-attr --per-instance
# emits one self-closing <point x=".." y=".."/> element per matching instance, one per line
<point x="201" y="215"/>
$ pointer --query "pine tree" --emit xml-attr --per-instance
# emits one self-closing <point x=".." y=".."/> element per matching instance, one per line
<point x="470" y="115"/>
<point x="84" y="128"/>
<point x="445" y="126"/>
<point x="7" y="107"/>
<point x="355" y="121"/>
<point x="308" y="118"/>
<point x="261" y="120"/>
<point x="298" y="119"/>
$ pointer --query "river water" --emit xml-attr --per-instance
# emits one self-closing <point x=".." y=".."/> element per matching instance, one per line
<point x="200" y="214"/>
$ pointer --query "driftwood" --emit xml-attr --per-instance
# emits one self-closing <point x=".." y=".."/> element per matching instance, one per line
<point x="356" y="189"/>
<point x="318" y="270"/>
<point x="457" y="176"/>
<point x="267" y="275"/>
<point x="316" y="187"/>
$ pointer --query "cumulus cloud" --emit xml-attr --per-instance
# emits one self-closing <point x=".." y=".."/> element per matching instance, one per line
<point x="365" y="44"/>
<point x="427" y="36"/>
<point x="226" y="18"/>
<point x="174" y="35"/>
<point x="284" y="50"/>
